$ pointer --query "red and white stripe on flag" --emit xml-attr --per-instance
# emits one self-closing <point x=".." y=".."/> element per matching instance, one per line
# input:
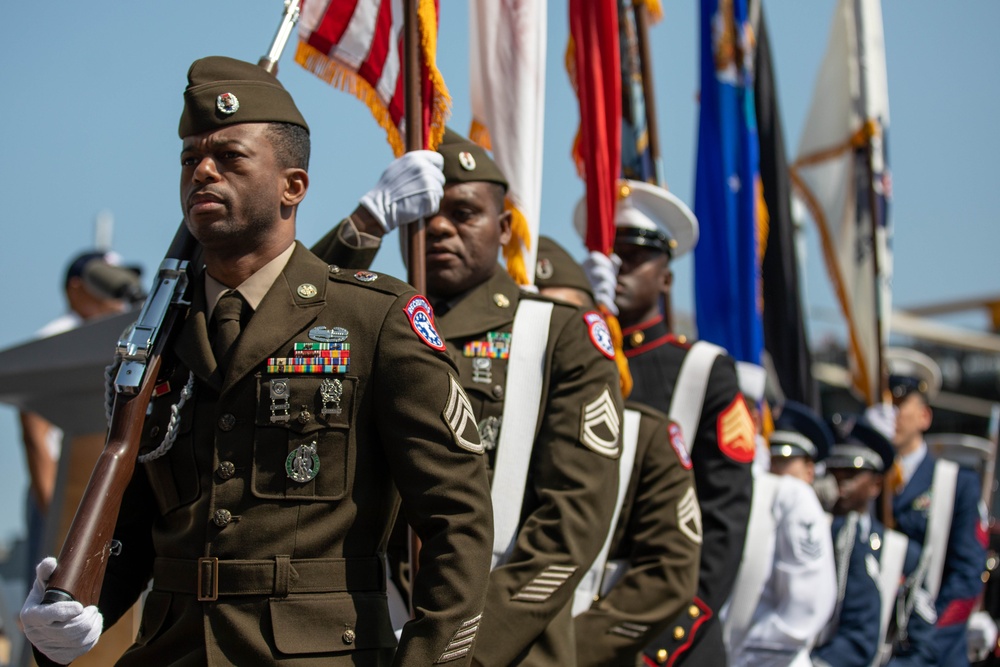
<point x="357" y="46"/>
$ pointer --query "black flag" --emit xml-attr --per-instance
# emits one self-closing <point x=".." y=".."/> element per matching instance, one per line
<point x="784" y="321"/>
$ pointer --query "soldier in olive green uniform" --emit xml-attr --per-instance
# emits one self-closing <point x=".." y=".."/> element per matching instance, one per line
<point x="565" y="507"/>
<point x="261" y="509"/>
<point x="651" y="571"/>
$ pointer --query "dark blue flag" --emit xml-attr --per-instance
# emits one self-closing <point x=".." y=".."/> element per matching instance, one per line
<point x="728" y="301"/>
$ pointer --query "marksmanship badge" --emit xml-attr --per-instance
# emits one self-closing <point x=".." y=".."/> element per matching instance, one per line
<point x="302" y="464"/>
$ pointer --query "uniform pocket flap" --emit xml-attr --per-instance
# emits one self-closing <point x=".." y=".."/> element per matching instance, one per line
<point x="335" y="622"/>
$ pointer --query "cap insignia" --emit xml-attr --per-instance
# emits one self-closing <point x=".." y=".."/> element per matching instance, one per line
<point x="467" y="161"/>
<point x="227" y="103"/>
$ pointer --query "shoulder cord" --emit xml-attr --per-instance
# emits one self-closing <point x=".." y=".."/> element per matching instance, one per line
<point x="845" y="547"/>
<point x="175" y="410"/>
<point x="175" y="422"/>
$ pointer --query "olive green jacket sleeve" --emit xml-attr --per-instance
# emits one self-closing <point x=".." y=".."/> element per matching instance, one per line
<point x="343" y="246"/>
<point x="657" y="537"/>
<point x="442" y="480"/>
<point x="569" y="501"/>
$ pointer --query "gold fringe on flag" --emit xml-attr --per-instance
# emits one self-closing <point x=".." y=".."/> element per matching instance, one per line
<point x="763" y="231"/>
<point x="654" y="9"/>
<point x="345" y="79"/>
<point x="349" y="81"/>
<point x="480" y="134"/>
<point x="624" y="375"/>
<point x="766" y="419"/>
<point x="520" y="234"/>
<point x="441" y="110"/>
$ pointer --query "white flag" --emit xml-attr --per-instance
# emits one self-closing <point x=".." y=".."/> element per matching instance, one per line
<point x="842" y="175"/>
<point x="507" y="72"/>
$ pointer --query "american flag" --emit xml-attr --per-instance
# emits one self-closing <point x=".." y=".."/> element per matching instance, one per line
<point x="357" y="46"/>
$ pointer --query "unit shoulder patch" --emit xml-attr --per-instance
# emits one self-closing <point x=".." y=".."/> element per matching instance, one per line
<point x="735" y="431"/>
<point x="460" y="419"/>
<point x="418" y="310"/>
<point x="600" y="425"/>
<point x="680" y="446"/>
<point x="600" y="334"/>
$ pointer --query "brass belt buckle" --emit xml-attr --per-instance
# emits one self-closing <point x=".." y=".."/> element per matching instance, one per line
<point x="208" y="579"/>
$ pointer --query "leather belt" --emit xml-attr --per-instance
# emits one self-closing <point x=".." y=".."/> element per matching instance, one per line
<point x="210" y="578"/>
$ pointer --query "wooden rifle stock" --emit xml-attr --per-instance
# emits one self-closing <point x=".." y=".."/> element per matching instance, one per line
<point x="88" y="545"/>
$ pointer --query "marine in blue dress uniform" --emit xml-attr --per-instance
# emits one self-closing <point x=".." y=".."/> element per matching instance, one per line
<point x="934" y="635"/>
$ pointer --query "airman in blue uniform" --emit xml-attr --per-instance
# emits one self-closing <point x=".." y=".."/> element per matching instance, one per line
<point x="915" y="380"/>
<point x="858" y="463"/>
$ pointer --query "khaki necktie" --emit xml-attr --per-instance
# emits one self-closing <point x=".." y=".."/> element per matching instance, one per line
<point x="226" y="317"/>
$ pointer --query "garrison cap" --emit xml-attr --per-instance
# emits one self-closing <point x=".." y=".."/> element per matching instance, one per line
<point x="911" y="371"/>
<point x="648" y="215"/>
<point x="466" y="161"/>
<point x="799" y="431"/>
<point x="556" y="268"/>
<point x="223" y="91"/>
<point x="861" y="448"/>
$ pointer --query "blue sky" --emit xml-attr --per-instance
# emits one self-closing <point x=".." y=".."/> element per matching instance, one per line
<point x="92" y="95"/>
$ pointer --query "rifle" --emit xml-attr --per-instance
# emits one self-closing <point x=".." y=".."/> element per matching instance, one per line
<point x="89" y="544"/>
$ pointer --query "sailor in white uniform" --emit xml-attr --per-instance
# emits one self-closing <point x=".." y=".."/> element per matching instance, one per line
<point x="786" y="588"/>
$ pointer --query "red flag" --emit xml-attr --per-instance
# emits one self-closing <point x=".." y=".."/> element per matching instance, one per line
<point x="357" y="46"/>
<point x="593" y="63"/>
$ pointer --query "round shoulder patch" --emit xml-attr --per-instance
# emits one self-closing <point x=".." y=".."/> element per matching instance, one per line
<point x="677" y="442"/>
<point x="600" y="335"/>
<point x="418" y="310"/>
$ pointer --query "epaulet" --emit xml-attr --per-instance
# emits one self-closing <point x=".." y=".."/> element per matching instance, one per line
<point x="683" y="342"/>
<point x="379" y="282"/>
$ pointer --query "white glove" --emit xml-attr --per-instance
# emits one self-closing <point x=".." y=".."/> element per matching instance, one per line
<point x="410" y="188"/>
<point x="602" y="272"/>
<point x="882" y="417"/>
<point x="63" y="631"/>
<point x="982" y="635"/>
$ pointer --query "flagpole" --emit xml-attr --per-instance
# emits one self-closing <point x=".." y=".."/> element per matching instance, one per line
<point x="883" y="377"/>
<point x="640" y="12"/>
<point x="416" y="273"/>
